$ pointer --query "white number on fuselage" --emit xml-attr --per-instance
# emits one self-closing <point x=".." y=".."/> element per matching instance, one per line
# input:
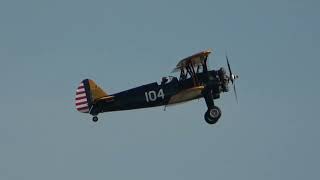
<point x="153" y="95"/>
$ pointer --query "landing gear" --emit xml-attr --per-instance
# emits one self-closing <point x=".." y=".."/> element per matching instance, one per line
<point x="94" y="111"/>
<point x="95" y="119"/>
<point x="212" y="115"/>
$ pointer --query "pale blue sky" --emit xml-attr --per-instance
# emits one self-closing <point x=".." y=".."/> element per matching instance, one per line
<point x="48" y="47"/>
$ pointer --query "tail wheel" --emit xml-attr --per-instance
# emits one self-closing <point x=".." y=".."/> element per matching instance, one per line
<point x="95" y="119"/>
<point x="212" y="115"/>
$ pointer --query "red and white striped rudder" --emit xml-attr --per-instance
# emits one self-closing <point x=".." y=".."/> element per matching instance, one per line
<point x="82" y="99"/>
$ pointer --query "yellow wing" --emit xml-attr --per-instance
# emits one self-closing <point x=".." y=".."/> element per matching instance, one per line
<point x="196" y="59"/>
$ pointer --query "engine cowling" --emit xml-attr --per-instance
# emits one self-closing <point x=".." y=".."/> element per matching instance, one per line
<point x="224" y="79"/>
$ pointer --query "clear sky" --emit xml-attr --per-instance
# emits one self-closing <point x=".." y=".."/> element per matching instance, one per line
<point x="48" y="47"/>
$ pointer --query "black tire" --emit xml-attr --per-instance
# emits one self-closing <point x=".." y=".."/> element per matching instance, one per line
<point x="95" y="119"/>
<point x="212" y="115"/>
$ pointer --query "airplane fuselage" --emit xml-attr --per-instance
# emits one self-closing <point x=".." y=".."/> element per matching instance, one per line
<point x="154" y="94"/>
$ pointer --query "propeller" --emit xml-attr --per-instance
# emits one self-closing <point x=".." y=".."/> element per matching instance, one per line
<point x="232" y="78"/>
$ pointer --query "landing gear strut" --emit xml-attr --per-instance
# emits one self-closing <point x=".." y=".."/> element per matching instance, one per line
<point x="212" y="115"/>
<point x="95" y="119"/>
<point x="94" y="111"/>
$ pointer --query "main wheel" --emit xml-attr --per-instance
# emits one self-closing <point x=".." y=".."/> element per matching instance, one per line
<point x="95" y="119"/>
<point x="212" y="115"/>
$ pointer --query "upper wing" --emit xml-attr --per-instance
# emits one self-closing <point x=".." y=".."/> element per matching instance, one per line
<point x="195" y="59"/>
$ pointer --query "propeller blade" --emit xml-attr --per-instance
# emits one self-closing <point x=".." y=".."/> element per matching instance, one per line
<point x="235" y="92"/>
<point x="230" y="72"/>
<point x="228" y="64"/>
<point x="232" y="78"/>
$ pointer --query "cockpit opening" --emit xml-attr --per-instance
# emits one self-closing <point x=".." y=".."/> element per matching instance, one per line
<point x="168" y="79"/>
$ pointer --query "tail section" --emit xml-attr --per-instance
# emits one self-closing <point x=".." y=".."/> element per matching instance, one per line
<point x="86" y="95"/>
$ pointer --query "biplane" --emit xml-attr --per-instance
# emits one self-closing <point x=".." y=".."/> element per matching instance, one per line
<point x="195" y="81"/>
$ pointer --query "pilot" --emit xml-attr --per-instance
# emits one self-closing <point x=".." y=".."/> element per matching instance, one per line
<point x="164" y="80"/>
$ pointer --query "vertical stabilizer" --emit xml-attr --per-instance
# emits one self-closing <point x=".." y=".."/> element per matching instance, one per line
<point x="86" y="95"/>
